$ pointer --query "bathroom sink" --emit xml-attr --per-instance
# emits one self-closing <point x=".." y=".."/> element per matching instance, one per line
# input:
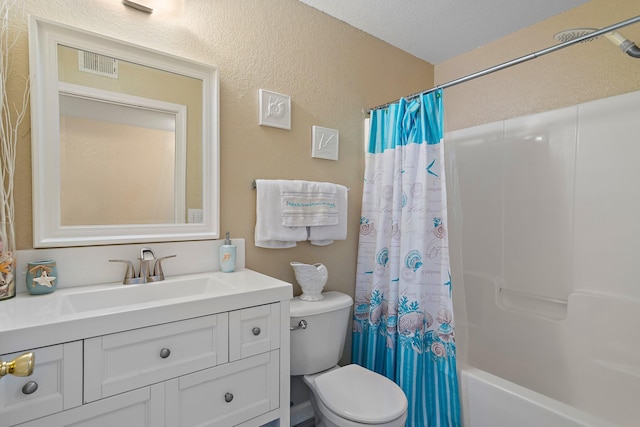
<point x="119" y="296"/>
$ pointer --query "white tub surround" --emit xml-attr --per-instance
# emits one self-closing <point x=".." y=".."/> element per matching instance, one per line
<point x="550" y="230"/>
<point x="199" y="347"/>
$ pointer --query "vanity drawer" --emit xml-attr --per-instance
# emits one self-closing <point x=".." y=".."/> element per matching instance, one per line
<point x="254" y="330"/>
<point x="58" y="375"/>
<point x="143" y="407"/>
<point x="124" y="361"/>
<point x="225" y="395"/>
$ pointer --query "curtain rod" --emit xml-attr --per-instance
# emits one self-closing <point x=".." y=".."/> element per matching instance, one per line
<point x="516" y="61"/>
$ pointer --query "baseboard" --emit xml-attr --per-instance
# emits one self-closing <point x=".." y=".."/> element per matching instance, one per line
<point x="301" y="412"/>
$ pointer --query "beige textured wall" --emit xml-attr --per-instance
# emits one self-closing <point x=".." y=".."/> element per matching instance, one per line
<point x="331" y="71"/>
<point x="91" y="193"/>
<point x="579" y="73"/>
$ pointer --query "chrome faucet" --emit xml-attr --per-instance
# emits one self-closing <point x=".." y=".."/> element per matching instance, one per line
<point x="145" y="273"/>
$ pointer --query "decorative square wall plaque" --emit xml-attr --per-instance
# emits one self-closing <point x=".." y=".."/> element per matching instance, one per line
<point x="275" y="109"/>
<point x="325" y="143"/>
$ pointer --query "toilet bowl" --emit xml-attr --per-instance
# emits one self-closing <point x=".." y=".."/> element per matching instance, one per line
<point x="348" y="396"/>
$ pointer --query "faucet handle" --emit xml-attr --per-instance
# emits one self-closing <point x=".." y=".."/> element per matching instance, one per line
<point x="129" y="273"/>
<point x="158" y="267"/>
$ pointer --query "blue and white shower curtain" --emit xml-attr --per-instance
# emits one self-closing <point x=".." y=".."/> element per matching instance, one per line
<point x="403" y="314"/>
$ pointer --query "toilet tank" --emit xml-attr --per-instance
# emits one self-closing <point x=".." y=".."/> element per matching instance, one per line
<point x="319" y="346"/>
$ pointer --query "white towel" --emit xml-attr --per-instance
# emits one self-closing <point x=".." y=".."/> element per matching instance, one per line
<point x="325" y="235"/>
<point x="307" y="203"/>
<point x="270" y="233"/>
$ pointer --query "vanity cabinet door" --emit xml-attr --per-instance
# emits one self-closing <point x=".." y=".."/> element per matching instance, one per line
<point x="226" y="395"/>
<point x="254" y="330"/>
<point x="143" y="407"/>
<point x="55" y="385"/>
<point x="127" y="360"/>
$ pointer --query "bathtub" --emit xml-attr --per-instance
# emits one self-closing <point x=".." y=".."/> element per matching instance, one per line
<point x="490" y="401"/>
<point x="532" y="361"/>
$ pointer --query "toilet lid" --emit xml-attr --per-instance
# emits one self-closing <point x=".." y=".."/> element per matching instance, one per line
<point x="360" y="395"/>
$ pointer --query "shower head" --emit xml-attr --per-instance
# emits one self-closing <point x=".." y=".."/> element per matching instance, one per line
<point x="568" y="35"/>
<point x="625" y="45"/>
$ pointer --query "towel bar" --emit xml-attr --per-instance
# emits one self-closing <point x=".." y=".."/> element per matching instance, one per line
<point x="252" y="185"/>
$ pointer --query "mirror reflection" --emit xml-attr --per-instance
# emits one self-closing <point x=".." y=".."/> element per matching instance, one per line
<point x="118" y="125"/>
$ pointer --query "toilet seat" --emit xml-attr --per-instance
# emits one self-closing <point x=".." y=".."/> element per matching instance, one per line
<point x="360" y="395"/>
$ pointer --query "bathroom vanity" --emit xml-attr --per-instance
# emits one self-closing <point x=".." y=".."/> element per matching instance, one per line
<point x="206" y="349"/>
<point x="200" y="349"/>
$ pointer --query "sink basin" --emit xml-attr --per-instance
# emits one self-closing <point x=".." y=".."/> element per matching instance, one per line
<point x="118" y="296"/>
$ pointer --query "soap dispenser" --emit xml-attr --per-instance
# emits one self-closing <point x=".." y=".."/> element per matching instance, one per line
<point x="227" y="256"/>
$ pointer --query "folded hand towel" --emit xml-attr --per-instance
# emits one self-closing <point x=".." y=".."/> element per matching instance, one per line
<point x="325" y="235"/>
<point x="270" y="233"/>
<point x="306" y="203"/>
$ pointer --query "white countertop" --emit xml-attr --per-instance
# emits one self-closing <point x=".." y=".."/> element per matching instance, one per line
<point x="31" y="321"/>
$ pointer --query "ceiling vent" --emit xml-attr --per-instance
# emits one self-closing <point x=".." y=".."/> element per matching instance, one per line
<point x="90" y="62"/>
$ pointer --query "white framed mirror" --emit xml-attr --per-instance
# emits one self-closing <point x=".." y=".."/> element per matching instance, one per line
<point x="125" y="141"/>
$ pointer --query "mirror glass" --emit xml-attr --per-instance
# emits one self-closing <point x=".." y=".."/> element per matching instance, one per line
<point x="125" y="141"/>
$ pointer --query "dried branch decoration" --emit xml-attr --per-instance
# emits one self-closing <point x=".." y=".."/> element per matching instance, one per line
<point x="11" y="116"/>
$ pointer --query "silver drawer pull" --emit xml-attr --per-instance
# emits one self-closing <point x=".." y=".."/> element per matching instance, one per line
<point x="30" y="387"/>
<point x="165" y="352"/>
<point x="228" y="397"/>
<point x="256" y="331"/>
<point x="301" y="325"/>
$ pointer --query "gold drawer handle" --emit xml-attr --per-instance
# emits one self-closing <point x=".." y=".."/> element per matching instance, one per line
<point x="165" y="352"/>
<point x="256" y="331"/>
<point x="21" y="366"/>
<point x="30" y="387"/>
<point x="228" y="397"/>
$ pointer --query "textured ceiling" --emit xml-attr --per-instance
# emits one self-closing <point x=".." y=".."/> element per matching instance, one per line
<point x="436" y="30"/>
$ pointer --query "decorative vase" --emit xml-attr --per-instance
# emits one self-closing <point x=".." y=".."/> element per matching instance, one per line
<point x="311" y="278"/>
<point x="7" y="275"/>
<point x="42" y="277"/>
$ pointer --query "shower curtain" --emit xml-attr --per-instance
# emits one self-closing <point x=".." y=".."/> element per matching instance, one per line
<point x="403" y="316"/>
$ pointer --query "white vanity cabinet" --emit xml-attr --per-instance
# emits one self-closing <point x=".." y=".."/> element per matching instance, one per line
<point x="222" y="369"/>
<point x="241" y="390"/>
<point x="54" y="386"/>
<point x="202" y="349"/>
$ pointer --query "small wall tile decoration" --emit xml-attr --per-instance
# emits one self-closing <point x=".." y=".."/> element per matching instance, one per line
<point x="325" y="143"/>
<point x="275" y="109"/>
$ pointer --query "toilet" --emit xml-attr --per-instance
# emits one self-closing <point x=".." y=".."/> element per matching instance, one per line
<point x="347" y="396"/>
